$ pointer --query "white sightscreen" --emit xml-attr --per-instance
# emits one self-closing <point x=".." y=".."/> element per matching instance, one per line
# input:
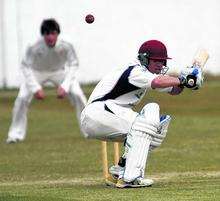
<point x="119" y="29"/>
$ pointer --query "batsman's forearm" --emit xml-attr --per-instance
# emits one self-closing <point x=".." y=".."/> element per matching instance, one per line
<point x="165" y="81"/>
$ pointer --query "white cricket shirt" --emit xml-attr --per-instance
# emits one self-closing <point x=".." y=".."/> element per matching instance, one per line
<point x="125" y="86"/>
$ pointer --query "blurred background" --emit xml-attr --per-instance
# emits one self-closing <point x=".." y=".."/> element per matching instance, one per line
<point x="113" y="40"/>
<point x="55" y="163"/>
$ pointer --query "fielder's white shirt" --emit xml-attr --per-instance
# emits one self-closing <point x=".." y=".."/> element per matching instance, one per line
<point x="41" y="58"/>
<point x="126" y="86"/>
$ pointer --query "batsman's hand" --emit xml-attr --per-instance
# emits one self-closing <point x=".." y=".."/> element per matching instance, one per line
<point x="61" y="93"/>
<point x="191" y="77"/>
<point x="39" y="95"/>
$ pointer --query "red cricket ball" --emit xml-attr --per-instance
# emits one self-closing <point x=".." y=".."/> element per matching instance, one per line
<point x="89" y="18"/>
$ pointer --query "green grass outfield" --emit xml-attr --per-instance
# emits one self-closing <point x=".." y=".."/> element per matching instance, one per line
<point x="55" y="163"/>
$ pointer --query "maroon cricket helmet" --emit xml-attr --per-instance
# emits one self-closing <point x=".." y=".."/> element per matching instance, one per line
<point x="154" y="49"/>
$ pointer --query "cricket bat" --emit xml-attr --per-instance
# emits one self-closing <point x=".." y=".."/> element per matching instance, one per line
<point x="200" y="58"/>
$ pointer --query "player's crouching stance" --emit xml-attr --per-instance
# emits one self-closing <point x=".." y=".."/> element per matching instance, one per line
<point x="49" y="59"/>
<point x="109" y="115"/>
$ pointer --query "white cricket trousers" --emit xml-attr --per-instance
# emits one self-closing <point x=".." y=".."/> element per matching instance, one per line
<point x="18" y="126"/>
<point x="105" y="120"/>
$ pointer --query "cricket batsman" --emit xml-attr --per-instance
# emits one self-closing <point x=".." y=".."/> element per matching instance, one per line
<point x="49" y="59"/>
<point x="108" y="114"/>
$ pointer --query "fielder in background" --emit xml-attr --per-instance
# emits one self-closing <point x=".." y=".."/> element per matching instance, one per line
<point x="109" y="116"/>
<point x="49" y="59"/>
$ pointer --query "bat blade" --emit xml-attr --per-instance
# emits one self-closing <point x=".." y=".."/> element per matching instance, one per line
<point x="200" y="58"/>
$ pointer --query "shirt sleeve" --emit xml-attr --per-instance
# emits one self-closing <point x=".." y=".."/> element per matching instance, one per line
<point x="141" y="77"/>
<point x="30" y="79"/>
<point x="166" y="90"/>
<point x="71" y="68"/>
<point x="72" y="60"/>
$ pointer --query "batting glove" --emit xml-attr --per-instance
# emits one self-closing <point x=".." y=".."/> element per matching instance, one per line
<point x="191" y="77"/>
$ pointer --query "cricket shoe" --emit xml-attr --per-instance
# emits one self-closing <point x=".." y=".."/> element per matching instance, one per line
<point x="111" y="180"/>
<point x="137" y="183"/>
<point x="13" y="140"/>
<point x="116" y="170"/>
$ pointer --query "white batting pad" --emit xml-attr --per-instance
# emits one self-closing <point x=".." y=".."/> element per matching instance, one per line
<point x="164" y="124"/>
<point x="138" y="142"/>
<point x="162" y="131"/>
<point x="137" y="156"/>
